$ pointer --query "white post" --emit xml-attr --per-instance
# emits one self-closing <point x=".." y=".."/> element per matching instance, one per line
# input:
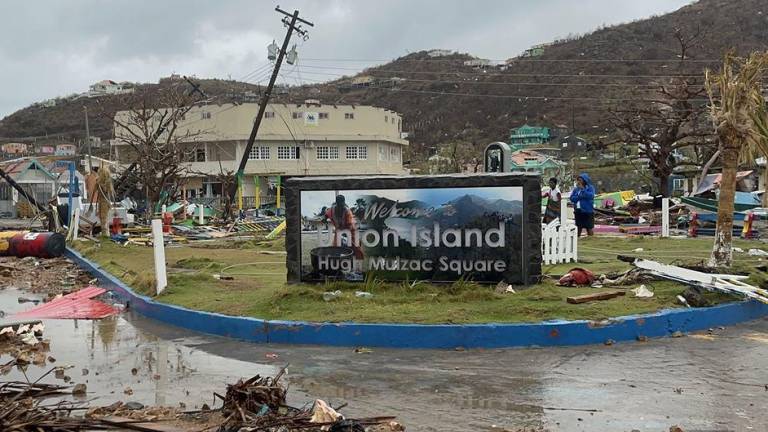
<point x="163" y="209"/>
<point x="76" y="222"/>
<point x="665" y="217"/>
<point x="161" y="278"/>
<point x="563" y="212"/>
<point x="200" y="219"/>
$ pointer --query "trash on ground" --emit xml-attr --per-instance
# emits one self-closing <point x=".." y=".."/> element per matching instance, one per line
<point x="729" y="284"/>
<point x="331" y="295"/>
<point x="605" y="295"/>
<point x="363" y="294"/>
<point x="323" y="413"/>
<point x="758" y="252"/>
<point x="642" y="292"/>
<point x="577" y="277"/>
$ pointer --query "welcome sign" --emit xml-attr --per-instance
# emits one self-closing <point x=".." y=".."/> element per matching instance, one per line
<point x="437" y="228"/>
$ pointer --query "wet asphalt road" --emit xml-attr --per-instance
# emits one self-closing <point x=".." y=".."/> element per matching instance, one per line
<point x="702" y="382"/>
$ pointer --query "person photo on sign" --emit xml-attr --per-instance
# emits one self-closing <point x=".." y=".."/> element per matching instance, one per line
<point x="342" y="218"/>
<point x="553" y="195"/>
<point x="583" y="199"/>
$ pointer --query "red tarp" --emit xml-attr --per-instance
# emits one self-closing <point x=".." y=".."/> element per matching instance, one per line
<point x="76" y="305"/>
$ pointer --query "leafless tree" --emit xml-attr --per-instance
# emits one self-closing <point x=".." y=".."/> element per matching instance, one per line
<point x="674" y="120"/>
<point x="159" y="139"/>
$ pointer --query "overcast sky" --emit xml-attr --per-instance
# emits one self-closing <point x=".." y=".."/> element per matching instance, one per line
<point x="53" y="48"/>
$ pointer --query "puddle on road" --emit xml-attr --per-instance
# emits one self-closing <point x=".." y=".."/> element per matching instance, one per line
<point x="549" y="389"/>
<point x="167" y="372"/>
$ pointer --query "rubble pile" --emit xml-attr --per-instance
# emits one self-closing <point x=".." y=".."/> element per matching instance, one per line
<point x="255" y="404"/>
<point x="259" y="403"/>
<point x="24" y="345"/>
<point x="51" y="276"/>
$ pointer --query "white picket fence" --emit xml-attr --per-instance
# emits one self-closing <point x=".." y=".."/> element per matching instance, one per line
<point x="559" y="244"/>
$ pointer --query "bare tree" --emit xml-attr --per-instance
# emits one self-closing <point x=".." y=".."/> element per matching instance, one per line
<point x="673" y="121"/>
<point x="159" y="140"/>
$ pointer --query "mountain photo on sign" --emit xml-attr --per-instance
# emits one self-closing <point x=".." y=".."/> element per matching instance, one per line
<point x="439" y="234"/>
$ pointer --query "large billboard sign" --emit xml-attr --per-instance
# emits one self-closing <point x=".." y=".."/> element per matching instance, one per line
<point x="483" y="228"/>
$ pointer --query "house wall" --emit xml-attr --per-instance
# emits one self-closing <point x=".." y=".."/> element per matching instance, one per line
<point x="224" y="133"/>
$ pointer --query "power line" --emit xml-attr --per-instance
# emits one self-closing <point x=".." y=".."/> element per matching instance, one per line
<point x="544" y="84"/>
<point x="388" y="71"/>
<point x="498" y="96"/>
<point x="520" y="59"/>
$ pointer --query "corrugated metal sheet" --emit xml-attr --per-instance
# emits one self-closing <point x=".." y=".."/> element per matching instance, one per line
<point x="77" y="305"/>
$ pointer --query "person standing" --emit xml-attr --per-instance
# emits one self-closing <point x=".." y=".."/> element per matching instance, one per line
<point x="343" y="219"/>
<point x="552" y="211"/>
<point x="583" y="199"/>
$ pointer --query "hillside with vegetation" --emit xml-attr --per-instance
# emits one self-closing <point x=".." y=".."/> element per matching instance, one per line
<point x="576" y="82"/>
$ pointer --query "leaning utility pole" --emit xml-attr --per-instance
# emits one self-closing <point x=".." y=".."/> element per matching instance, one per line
<point x="290" y="22"/>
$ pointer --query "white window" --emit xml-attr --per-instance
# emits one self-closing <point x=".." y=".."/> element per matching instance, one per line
<point x="287" y="153"/>
<point x="357" y="152"/>
<point x="205" y="115"/>
<point x="349" y="116"/>
<point x="297" y="115"/>
<point x="394" y="154"/>
<point x="269" y="114"/>
<point x="327" y="152"/>
<point x="259" y="153"/>
<point x="383" y="153"/>
<point x="323" y="116"/>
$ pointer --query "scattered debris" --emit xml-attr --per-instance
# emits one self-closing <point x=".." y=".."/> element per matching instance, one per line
<point x="578" y="277"/>
<point x="362" y="350"/>
<point x="50" y="277"/>
<point x="323" y="413"/>
<point x="272" y="356"/>
<point x="605" y="295"/>
<point x="642" y="292"/>
<point x="758" y="252"/>
<point x="683" y="301"/>
<point x="729" y="284"/>
<point x="79" y="390"/>
<point x="331" y="295"/>
<point x="363" y="294"/>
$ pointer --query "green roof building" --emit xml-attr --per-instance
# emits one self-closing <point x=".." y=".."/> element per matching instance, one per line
<point x="527" y="135"/>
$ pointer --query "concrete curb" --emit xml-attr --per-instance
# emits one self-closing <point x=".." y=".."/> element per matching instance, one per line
<point x="492" y="335"/>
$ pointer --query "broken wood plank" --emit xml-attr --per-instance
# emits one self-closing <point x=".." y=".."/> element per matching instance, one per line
<point x="604" y="295"/>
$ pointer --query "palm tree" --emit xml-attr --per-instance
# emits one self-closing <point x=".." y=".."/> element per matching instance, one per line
<point x="736" y="97"/>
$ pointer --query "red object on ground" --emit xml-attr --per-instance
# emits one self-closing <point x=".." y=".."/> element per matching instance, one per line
<point x="36" y="244"/>
<point x="76" y="305"/>
<point x="577" y="276"/>
<point x="167" y="221"/>
<point x="693" y="226"/>
<point x="117" y="226"/>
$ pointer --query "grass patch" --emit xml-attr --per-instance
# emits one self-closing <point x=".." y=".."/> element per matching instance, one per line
<point x="260" y="290"/>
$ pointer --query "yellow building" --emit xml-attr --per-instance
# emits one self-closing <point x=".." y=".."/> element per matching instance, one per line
<point x="309" y="139"/>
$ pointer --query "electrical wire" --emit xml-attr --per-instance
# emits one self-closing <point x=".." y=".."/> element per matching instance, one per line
<point x="584" y="75"/>
<point x="521" y="59"/>
<point x="542" y="84"/>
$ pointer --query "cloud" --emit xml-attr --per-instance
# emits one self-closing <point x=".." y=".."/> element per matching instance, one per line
<point x="53" y="48"/>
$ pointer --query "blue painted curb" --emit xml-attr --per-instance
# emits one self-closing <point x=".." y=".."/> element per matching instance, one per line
<point x="492" y="335"/>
